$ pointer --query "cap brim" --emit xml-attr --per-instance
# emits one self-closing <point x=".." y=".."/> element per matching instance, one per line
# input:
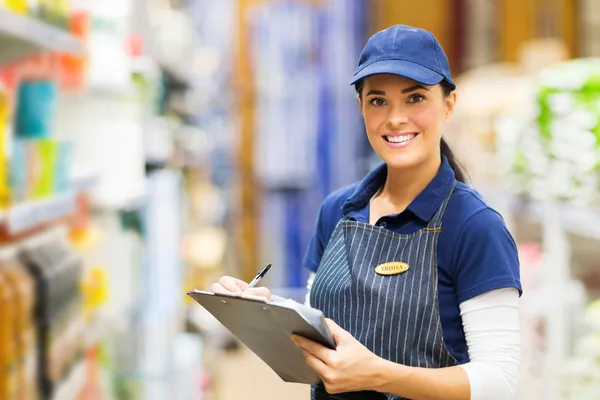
<point x="402" y="68"/>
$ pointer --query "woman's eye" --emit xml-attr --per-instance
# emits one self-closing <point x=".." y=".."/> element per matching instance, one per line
<point x="416" y="98"/>
<point x="377" y="102"/>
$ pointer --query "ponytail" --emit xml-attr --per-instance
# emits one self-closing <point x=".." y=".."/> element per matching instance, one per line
<point x="458" y="171"/>
<point x="448" y="88"/>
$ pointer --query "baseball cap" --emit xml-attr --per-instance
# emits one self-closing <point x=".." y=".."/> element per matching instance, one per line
<point x="406" y="51"/>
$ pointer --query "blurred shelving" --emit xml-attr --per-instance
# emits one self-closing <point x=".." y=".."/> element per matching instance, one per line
<point x="130" y="202"/>
<point x="581" y="221"/>
<point x="28" y="215"/>
<point x="71" y="388"/>
<point x="23" y="217"/>
<point x="22" y="36"/>
<point x="83" y="183"/>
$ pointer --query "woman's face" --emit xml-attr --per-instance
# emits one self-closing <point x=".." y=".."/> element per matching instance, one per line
<point x="404" y="119"/>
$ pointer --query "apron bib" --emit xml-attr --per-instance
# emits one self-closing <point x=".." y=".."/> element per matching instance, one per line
<point x="395" y="316"/>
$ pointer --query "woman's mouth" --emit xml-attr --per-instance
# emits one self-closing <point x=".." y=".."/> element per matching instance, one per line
<point x="400" y="140"/>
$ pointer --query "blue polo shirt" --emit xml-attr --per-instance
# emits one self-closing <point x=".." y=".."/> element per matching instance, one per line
<point x="475" y="254"/>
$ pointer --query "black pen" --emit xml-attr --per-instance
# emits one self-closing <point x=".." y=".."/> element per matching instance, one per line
<point x="258" y="277"/>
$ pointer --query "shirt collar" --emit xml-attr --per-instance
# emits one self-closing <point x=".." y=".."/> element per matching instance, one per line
<point x="423" y="206"/>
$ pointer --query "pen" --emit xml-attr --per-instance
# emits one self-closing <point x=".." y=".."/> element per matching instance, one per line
<point x="258" y="277"/>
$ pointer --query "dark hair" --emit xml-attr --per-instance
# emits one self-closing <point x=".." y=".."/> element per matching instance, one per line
<point x="447" y="88"/>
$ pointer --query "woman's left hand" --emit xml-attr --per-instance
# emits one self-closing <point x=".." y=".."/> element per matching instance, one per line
<point x="351" y="367"/>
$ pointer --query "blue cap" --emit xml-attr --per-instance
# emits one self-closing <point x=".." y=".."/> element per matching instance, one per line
<point x="406" y="51"/>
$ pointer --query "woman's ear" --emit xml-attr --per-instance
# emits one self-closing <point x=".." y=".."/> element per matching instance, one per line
<point x="450" y="102"/>
<point x="359" y="99"/>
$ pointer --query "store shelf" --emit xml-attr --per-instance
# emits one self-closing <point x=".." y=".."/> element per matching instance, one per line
<point x="84" y="182"/>
<point x="28" y="215"/>
<point x="22" y="36"/>
<point x="23" y="217"/>
<point x="577" y="220"/>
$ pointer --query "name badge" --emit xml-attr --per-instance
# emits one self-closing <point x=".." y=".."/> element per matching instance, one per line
<point x="392" y="268"/>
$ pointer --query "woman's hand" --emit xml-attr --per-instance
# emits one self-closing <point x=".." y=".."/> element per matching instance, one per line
<point x="230" y="285"/>
<point x="351" y="367"/>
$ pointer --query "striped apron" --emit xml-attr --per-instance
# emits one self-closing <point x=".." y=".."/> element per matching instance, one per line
<point x="394" y="316"/>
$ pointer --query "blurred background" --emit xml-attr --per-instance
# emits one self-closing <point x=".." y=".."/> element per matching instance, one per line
<point x="150" y="146"/>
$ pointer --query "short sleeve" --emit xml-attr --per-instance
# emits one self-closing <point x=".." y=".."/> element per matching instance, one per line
<point x="485" y="257"/>
<point x="316" y="245"/>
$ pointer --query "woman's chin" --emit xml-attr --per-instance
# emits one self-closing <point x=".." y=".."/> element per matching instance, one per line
<point x="401" y="161"/>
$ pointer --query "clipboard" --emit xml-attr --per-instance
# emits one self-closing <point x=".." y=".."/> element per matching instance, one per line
<point x="265" y="326"/>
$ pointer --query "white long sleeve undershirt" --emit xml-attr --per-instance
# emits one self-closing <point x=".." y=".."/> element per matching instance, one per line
<point x="492" y="332"/>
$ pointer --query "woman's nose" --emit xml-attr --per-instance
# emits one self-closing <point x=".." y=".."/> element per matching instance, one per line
<point x="396" y="119"/>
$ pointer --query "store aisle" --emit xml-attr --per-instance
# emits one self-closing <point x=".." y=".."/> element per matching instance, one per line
<point x="242" y="375"/>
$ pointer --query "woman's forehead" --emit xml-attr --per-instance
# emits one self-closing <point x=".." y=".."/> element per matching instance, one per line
<point x="390" y="80"/>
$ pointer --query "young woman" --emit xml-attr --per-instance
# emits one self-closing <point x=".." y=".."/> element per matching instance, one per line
<point x="418" y="277"/>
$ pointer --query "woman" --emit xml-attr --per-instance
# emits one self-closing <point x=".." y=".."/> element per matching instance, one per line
<point x="418" y="276"/>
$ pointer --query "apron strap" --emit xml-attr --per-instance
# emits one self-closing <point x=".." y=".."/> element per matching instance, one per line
<point x="436" y="221"/>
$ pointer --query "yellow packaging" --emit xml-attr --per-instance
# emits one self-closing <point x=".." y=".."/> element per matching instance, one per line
<point x="24" y="333"/>
<point x="9" y="378"/>
<point x="62" y="7"/>
<point x="23" y="286"/>
<point x="47" y="152"/>
<point x="18" y="6"/>
<point x="55" y="12"/>
<point x="95" y="290"/>
<point x="5" y="137"/>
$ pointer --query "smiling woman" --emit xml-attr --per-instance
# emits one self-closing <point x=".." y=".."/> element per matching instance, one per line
<point x="414" y="94"/>
<point x="418" y="276"/>
<point x="404" y="122"/>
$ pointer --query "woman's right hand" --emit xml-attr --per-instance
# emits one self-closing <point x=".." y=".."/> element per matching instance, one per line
<point x="230" y="285"/>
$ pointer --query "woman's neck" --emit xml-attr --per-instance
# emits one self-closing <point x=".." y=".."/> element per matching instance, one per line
<point x="402" y="186"/>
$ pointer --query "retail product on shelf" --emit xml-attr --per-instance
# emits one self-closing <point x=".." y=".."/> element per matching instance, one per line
<point x="39" y="169"/>
<point x="39" y="165"/>
<point x="41" y="334"/>
<point x="48" y="150"/>
<point x="55" y="12"/>
<point x="590" y="15"/>
<point x="8" y="344"/>
<point x="16" y="277"/>
<point x="489" y="92"/>
<point x="57" y="270"/>
<point x="555" y="153"/>
<point x="5" y="116"/>
<point x="36" y="105"/>
<point x="18" y="6"/>
<point x="59" y="175"/>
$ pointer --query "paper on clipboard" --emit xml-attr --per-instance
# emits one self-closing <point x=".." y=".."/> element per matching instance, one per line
<point x="265" y="328"/>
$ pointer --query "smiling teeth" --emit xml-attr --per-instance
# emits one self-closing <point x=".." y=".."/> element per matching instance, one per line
<point x="401" y="139"/>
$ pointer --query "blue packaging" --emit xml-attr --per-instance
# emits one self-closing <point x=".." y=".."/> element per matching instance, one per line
<point x="36" y="107"/>
<point x="19" y="172"/>
<point x="62" y="176"/>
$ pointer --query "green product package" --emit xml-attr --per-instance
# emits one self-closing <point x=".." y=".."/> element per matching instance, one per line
<point x="557" y="154"/>
<point x="48" y="153"/>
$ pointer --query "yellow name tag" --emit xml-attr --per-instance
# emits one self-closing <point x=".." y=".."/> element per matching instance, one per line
<point x="392" y="268"/>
